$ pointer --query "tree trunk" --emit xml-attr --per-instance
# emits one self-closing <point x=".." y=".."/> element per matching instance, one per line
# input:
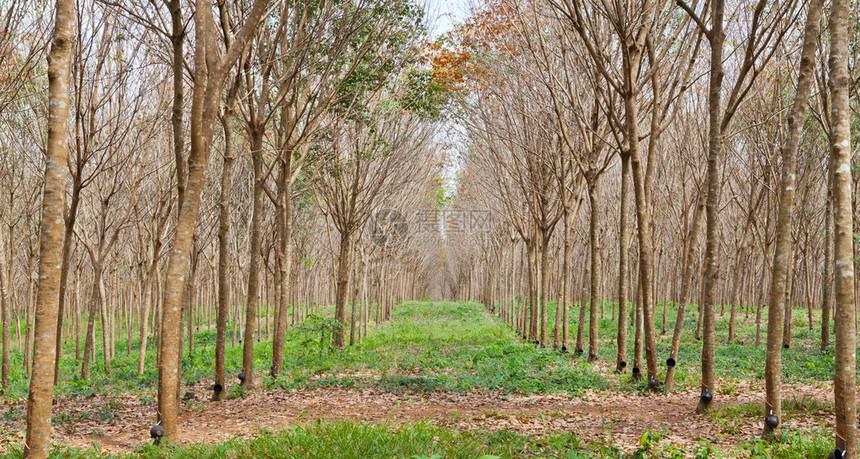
<point x="844" y="320"/>
<point x="254" y="265"/>
<point x="788" y="299"/>
<point x="223" y="261"/>
<point x="623" y="266"/>
<point x="342" y="283"/>
<point x="643" y="220"/>
<point x="208" y="81"/>
<point x="594" y="244"/>
<point x="782" y="258"/>
<point x="565" y="319"/>
<point x="637" y="332"/>
<point x="353" y="306"/>
<point x="532" y="297"/>
<point x="5" y="291"/>
<point x="562" y="301"/>
<point x="366" y="303"/>
<point x="736" y="289"/>
<point x="107" y="323"/>
<point x="77" y="303"/>
<point x="711" y="270"/>
<point x="566" y="285"/>
<point x="92" y="309"/>
<point x="544" y="285"/>
<point x="285" y="260"/>
<point x="145" y="308"/>
<point x="37" y="444"/>
<point x="581" y="325"/>
<point x="827" y="278"/>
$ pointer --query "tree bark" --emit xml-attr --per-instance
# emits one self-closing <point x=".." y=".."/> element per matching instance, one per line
<point x="177" y="41"/>
<point x="342" y="283"/>
<point x="254" y="265"/>
<point x="223" y="259"/>
<point x="643" y="219"/>
<point x="51" y="235"/>
<point x="782" y="253"/>
<point x="532" y="300"/>
<point x="562" y="302"/>
<point x="353" y="306"/>
<point x="788" y="298"/>
<point x="827" y="278"/>
<point x="581" y="324"/>
<point x="544" y="284"/>
<point x="594" y="244"/>
<point x="715" y="145"/>
<point x="844" y="319"/>
<point x="89" y="341"/>
<point x="285" y="258"/>
<point x="210" y="73"/>
<point x="623" y="266"/>
<point x="637" y="332"/>
<point x="5" y="292"/>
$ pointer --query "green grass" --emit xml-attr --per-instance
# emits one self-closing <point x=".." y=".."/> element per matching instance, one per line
<point x="123" y="376"/>
<point x="349" y="439"/>
<point x="359" y="440"/>
<point x="422" y="440"/>
<point x="792" y="444"/>
<point x="732" y="418"/>
<point x="426" y="346"/>
<point x="740" y="362"/>
<point x="450" y="346"/>
<point x="453" y="346"/>
<point x="443" y="346"/>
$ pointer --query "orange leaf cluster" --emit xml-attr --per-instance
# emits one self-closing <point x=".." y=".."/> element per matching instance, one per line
<point x="449" y="68"/>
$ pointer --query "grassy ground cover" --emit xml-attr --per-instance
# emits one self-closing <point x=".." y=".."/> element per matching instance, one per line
<point x="431" y="347"/>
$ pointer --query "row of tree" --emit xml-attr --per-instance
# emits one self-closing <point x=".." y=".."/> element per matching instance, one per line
<point x="730" y="121"/>
<point x="119" y="222"/>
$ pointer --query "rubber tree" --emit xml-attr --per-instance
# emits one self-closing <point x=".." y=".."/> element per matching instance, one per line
<point x="223" y="252"/>
<point x="782" y="251"/>
<point x="260" y="84"/>
<point x="306" y="93"/>
<point x="365" y="160"/>
<point x="39" y="400"/>
<point x="630" y="25"/>
<point x="845" y="334"/>
<point x="210" y="72"/>
<point x="764" y="31"/>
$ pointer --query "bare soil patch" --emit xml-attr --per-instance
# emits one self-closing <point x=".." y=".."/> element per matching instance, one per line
<point x="121" y="423"/>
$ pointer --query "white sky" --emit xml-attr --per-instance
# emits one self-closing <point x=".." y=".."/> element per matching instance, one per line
<point x="444" y="13"/>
